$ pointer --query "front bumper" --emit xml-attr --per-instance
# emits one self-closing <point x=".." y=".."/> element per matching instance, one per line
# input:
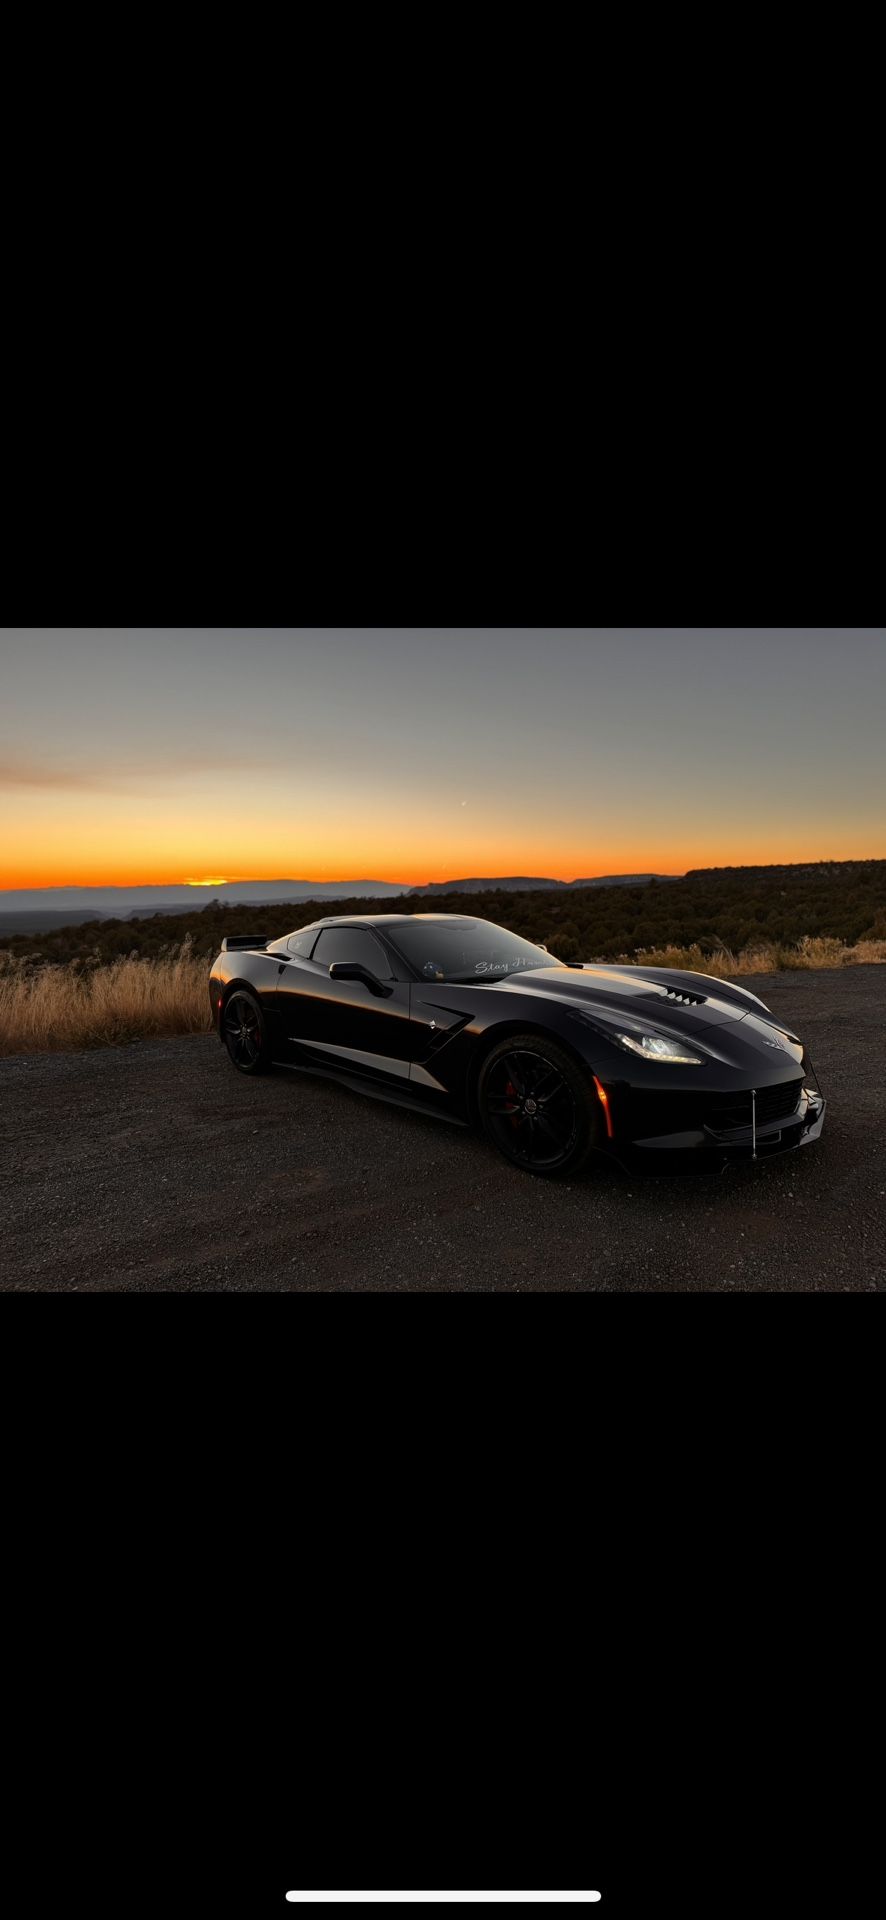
<point x="707" y="1149"/>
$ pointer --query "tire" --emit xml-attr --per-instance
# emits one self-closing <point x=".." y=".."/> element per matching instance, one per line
<point x="537" y="1106"/>
<point x="245" y="1032"/>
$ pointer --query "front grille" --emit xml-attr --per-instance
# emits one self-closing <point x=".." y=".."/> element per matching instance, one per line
<point x="773" y="1103"/>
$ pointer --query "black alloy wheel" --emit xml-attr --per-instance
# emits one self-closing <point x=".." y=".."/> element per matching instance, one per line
<point x="243" y="1030"/>
<point x="537" y="1106"/>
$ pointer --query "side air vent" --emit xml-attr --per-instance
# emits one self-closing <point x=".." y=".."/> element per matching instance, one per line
<point x="686" y="999"/>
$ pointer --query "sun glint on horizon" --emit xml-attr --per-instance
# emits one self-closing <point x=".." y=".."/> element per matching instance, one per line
<point x="413" y="755"/>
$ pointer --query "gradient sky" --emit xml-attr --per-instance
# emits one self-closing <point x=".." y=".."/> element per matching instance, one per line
<point x="148" y="755"/>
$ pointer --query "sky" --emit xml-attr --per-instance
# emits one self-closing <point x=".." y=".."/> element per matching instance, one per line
<point x="151" y="755"/>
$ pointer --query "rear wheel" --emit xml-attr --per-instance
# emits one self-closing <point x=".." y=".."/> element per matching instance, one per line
<point x="537" y="1106"/>
<point x="245" y="1033"/>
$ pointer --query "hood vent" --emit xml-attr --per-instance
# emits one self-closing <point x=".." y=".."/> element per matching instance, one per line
<point x="683" y="999"/>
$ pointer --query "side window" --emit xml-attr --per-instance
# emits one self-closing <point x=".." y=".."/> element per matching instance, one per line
<point x="302" y="942"/>
<point x="355" y="944"/>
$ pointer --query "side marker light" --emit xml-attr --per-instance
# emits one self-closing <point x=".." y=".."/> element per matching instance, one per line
<point x="604" y="1102"/>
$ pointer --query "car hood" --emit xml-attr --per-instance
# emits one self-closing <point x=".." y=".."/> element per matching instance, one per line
<point x="606" y="989"/>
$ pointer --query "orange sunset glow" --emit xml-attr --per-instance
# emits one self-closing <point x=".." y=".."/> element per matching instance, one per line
<point x="415" y="755"/>
<point x="117" y="859"/>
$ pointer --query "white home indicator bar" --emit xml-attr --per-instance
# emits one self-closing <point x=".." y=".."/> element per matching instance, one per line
<point x="537" y="1898"/>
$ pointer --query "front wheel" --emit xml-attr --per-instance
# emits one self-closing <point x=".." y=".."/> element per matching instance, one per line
<point x="245" y="1033"/>
<point x="537" y="1107"/>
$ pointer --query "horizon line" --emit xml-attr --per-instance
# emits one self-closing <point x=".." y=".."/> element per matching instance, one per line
<point x="200" y="886"/>
<point x="356" y="880"/>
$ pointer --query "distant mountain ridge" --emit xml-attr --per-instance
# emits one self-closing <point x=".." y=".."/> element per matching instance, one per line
<point x="40" y="909"/>
<point x="68" y="904"/>
<point x="179" y="893"/>
<point x="43" y="907"/>
<point x="520" y="884"/>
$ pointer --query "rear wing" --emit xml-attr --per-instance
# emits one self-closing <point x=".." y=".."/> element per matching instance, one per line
<point x="243" y="942"/>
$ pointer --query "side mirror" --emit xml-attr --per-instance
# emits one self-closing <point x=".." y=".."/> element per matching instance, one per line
<point x="352" y="970"/>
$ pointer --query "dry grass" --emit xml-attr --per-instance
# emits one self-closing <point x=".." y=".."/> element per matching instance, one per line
<point x="811" y="953"/>
<point x="47" y="1009"/>
<point x="53" y="1009"/>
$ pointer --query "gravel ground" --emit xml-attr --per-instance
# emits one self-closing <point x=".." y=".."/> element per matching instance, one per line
<point x="155" y="1167"/>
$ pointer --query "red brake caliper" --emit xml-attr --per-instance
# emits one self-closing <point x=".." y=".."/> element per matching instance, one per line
<point x="511" y="1094"/>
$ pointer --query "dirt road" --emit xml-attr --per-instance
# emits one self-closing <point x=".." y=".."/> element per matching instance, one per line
<point x="155" y="1167"/>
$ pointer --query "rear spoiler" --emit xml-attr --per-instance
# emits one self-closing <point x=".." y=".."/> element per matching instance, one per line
<point x="243" y="942"/>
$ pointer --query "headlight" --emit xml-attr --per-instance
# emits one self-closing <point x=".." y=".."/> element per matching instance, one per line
<point x="648" y="1044"/>
<point x="657" y="1046"/>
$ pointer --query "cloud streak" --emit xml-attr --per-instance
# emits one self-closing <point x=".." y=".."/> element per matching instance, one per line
<point x="113" y="775"/>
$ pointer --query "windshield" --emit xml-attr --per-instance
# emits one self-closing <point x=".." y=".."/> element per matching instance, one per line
<point x="467" y="950"/>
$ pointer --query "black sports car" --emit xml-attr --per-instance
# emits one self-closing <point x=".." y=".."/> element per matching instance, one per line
<point x="458" y="1017"/>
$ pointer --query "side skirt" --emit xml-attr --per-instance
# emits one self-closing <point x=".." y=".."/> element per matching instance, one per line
<point x="373" y="1091"/>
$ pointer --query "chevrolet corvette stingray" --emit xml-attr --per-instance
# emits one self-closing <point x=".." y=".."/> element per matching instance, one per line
<point x="557" y="1061"/>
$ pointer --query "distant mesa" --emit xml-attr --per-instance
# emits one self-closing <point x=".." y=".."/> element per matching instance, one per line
<point x="47" y="907"/>
<point x="623" y="879"/>
<point x="521" y="884"/>
<point x="40" y="909"/>
<point x="511" y="884"/>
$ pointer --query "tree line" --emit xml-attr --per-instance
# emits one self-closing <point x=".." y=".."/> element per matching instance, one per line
<point x="732" y="907"/>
